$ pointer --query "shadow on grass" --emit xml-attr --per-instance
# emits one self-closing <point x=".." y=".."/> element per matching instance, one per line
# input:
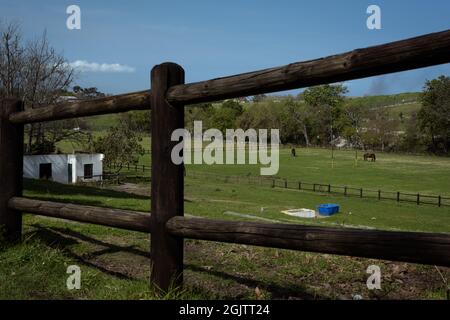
<point x="64" y="238"/>
<point x="276" y="291"/>
<point x="84" y="202"/>
<point x="48" y="187"/>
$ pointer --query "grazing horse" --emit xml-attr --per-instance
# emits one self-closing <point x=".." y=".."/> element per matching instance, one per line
<point x="293" y="153"/>
<point x="370" y="156"/>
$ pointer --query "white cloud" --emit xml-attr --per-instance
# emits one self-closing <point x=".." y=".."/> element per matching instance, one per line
<point x="85" y="66"/>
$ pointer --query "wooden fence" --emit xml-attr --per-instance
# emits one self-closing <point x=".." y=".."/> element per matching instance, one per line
<point x="167" y="99"/>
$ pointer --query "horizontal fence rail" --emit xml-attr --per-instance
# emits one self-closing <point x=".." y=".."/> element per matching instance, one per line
<point x="426" y="248"/>
<point x="113" y="104"/>
<point x="419" y="52"/>
<point x="124" y="219"/>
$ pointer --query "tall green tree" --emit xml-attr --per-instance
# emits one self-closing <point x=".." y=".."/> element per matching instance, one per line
<point x="121" y="146"/>
<point x="434" y="116"/>
<point x="325" y="105"/>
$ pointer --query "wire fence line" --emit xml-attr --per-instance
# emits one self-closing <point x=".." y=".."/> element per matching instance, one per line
<point x="276" y="182"/>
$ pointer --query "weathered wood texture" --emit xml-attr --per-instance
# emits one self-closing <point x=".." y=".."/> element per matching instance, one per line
<point x="425" y="248"/>
<point x="167" y="178"/>
<point x="424" y="51"/>
<point x="123" y="219"/>
<point x="11" y="168"/>
<point x="113" y="104"/>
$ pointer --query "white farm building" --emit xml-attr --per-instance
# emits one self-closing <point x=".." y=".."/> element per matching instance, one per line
<point x="64" y="168"/>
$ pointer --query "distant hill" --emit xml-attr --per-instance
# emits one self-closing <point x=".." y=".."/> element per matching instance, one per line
<point x="103" y="122"/>
<point x="405" y="103"/>
<point x="386" y="100"/>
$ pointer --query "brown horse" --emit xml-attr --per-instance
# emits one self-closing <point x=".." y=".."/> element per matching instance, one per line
<point x="370" y="156"/>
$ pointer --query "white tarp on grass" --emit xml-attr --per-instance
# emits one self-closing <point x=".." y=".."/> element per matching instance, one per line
<point x="301" y="213"/>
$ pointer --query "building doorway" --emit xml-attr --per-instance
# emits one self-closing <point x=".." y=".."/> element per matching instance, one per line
<point x="69" y="173"/>
<point x="45" y="171"/>
<point x="88" y="170"/>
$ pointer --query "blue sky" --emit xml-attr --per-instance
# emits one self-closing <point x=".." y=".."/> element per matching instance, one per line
<point x="212" y="38"/>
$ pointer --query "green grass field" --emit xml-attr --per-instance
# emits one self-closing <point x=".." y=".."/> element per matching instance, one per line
<point x="391" y="172"/>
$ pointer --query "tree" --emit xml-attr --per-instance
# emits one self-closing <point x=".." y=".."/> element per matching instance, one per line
<point x="351" y="121"/>
<point x="87" y="93"/>
<point x="12" y="60"/>
<point x="199" y="112"/>
<point x="224" y="117"/>
<point x="412" y="140"/>
<point x="434" y="116"/>
<point x="324" y="103"/>
<point x="138" y="121"/>
<point x="300" y="113"/>
<point x="381" y="129"/>
<point x="259" y="116"/>
<point x="121" y="146"/>
<point x="33" y="72"/>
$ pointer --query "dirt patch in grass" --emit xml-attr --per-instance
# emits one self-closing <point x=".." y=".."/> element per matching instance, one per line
<point x="133" y="188"/>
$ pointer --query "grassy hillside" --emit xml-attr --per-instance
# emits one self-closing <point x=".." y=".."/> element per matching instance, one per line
<point x="385" y="100"/>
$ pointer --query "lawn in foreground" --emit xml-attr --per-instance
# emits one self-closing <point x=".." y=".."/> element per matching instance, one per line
<point x="115" y="263"/>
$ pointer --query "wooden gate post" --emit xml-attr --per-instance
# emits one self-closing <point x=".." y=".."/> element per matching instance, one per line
<point x="11" y="168"/>
<point x="167" y="194"/>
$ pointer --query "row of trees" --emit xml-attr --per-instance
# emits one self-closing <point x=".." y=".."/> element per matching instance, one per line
<point x="324" y="116"/>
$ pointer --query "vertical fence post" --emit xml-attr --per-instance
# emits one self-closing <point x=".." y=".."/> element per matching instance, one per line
<point x="329" y="188"/>
<point x="345" y="191"/>
<point x="398" y="196"/>
<point x="314" y="187"/>
<point x="379" y="194"/>
<point x="285" y="184"/>
<point x="361" y="193"/>
<point x="439" y="201"/>
<point x="299" y="185"/>
<point x="418" y="199"/>
<point x="167" y="179"/>
<point x="11" y="167"/>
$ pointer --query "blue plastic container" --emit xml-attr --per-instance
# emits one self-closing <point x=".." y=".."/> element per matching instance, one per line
<point x="328" y="209"/>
